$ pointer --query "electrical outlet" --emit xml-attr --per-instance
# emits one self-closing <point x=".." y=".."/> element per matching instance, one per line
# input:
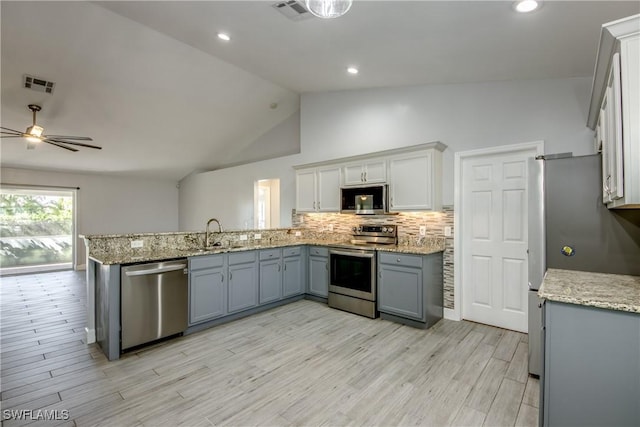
<point x="423" y="230"/>
<point x="137" y="243"/>
<point x="257" y="236"/>
<point x="330" y="228"/>
<point x="298" y="233"/>
<point x="243" y="237"/>
<point x="447" y="231"/>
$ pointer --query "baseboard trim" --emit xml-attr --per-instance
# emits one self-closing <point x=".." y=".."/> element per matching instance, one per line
<point x="90" y="335"/>
<point x="451" y="314"/>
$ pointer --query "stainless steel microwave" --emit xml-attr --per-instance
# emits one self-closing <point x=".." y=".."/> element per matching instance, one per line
<point x="365" y="200"/>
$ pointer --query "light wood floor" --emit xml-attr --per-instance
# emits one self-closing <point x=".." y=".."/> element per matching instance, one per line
<point x="300" y="364"/>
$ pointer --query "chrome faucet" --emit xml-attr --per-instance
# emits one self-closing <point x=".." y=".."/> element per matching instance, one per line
<point x="207" y="233"/>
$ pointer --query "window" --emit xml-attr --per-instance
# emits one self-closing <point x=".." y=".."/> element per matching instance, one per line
<point x="37" y="229"/>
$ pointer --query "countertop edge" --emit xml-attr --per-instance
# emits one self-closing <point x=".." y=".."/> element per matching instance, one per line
<point x="187" y="253"/>
<point x="586" y="289"/>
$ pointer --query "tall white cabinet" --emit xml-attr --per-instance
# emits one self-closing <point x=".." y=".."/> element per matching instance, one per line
<point x="615" y="111"/>
<point x="318" y="189"/>
<point x="414" y="181"/>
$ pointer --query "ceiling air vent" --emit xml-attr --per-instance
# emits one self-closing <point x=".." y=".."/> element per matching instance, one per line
<point x="38" y="84"/>
<point x="293" y="9"/>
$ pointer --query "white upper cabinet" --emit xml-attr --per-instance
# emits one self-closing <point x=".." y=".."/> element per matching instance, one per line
<point x="329" y="189"/>
<point x="609" y="133"/>
<point x="414" y="175"/>
<point x="306" y="190"/>
<point x="365" y="172"/>
<point x="415" y="181"/>
<point x="318" y="189"/>
<point x="615" y="111"/>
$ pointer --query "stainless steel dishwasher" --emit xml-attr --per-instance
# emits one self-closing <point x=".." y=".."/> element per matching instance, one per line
<point x="153" y="301"/>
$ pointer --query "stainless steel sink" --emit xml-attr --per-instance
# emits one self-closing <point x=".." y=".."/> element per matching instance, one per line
<point x="217" y="248"/>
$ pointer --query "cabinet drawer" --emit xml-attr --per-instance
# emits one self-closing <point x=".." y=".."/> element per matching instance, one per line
<point x="319" y="250"/>
<point x="287" y="252"/>
<point x="208" y="261"/>
<point x="269" y="254"/>
<point x="242" y="257"/>
<point x="400" y="259"/>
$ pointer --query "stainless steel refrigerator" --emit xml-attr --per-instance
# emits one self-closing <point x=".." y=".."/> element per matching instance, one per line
<point x="571" y="229"/>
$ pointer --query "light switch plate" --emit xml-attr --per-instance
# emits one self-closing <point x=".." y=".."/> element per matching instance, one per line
<point x="257" y="236"/>
<point x="243" y="237"/>
<point x="447" y="231"/>
<point x="330" y="228"/>
<point x="423" y="230"/>
<point x="137" y="243"/>
<point x="298" y="233"/>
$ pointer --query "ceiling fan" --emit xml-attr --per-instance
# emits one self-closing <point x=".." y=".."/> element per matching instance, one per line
<point x="34" y="135"/>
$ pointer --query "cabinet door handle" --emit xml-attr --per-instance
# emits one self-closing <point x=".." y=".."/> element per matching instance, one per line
<point x="326" y="267"/>
<point x="278" y="267"/>
<point x="606" y="186"/>
<point x="398" y="260"/>
<point x="362" y="176"/>
<point x="222" y="278"/>
<point x="365" y="177"/>
<point x="314" y="205"/>
<point x="391" y="202"/>
<point x="380" y="274"/>
<point x="318" y="205"/>
<point x="230" y="276"/>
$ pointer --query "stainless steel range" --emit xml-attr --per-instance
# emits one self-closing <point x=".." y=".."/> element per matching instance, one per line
<point x="352" y="278"/>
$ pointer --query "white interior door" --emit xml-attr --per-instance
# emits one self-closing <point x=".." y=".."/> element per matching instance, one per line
<point x="494" y="237"/>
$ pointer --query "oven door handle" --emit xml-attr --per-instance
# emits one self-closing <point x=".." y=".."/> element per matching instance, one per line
<point x="353" y="254"/>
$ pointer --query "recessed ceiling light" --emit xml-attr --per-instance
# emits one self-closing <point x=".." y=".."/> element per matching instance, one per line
<point x="352" y="70"/>
<point x="525" y="6"/>
<point x="223" y="36"/>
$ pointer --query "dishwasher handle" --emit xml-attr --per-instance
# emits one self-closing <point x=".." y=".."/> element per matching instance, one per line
<point x="157" y="270"/>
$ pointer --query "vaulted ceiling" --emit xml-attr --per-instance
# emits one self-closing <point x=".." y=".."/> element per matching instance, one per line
<point x="154" y="86"/>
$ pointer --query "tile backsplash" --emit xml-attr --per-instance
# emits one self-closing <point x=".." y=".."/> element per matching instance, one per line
<point x="408" y="231"/>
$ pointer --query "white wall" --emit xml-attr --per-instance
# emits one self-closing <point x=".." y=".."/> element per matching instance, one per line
<point x="345" y="123"/>
<point x="110" y="204"/>
<point x="463" y="116"/>
<point x="227" y="194"/>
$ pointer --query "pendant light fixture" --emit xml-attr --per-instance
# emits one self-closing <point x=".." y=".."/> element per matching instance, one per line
<point x="328" y="9"/>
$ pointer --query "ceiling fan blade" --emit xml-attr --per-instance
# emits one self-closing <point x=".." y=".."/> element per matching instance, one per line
<point x="76" y="138"/>
<point x="73" y="143"/>
<point x="48" y="141"/>
<point x="4" y="130"/>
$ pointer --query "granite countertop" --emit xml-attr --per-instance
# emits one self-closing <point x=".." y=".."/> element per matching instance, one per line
<point x="108" y="258"/>
<point x="610" y="291"/>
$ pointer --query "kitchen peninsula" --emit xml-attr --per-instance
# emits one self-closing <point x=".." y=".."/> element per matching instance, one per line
<point x="252" y="251"/>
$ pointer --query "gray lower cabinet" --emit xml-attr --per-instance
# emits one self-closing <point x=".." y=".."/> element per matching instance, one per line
<point x="293" y="282"/>
<point x="400" y="289"/>
<point x="243" y="281"/>
<point x="207" y="288"/>
<point x="410" y="288"/>
<point x="319" y="271"/>
<point x="270" y="276"/>
<point x="591" y="371"/>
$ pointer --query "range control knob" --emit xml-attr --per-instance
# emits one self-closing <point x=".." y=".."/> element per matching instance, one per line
<point x="384" y="229"/>
<point x="354" y="229"/>
<point x="360" y="229"/>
